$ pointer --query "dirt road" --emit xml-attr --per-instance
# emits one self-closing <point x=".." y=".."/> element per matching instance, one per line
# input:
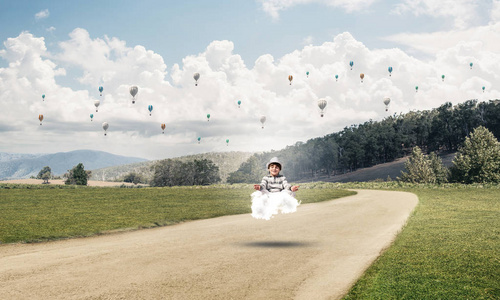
<point x="316" y="253"/>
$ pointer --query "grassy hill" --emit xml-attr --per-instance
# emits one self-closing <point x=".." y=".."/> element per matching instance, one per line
<point x="226" y="161"/>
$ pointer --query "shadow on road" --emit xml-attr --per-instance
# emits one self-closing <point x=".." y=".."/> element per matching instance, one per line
<point x="277" y="244"/>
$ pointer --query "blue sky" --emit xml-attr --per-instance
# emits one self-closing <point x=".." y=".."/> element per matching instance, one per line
<point x="244" y="50"/>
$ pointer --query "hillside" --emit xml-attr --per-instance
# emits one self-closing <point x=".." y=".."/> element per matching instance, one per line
<point x="18" y="166"/>
<point x="379" y="172"/>
<point x="226" y="161"/>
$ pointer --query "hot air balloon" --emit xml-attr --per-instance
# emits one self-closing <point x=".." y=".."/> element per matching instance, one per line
<point x="336" y="77"/>
<point x="96" y="103"/>
<point x="307" y="74"/>
<point x="105" y="126"/>
<point x="91" y="117"/>
<point x="471" y="64"/>
<point x="483" y="88"/>
<point x="387" y="100"/>
<point x="199" y="139"/>
<point x="100" y="90"/>
<point x="351" y="63"/>
<point x="322" y="105"/>
<point x="40" y="117"/>
<point x="442" y="77"/>
<point x="43" y="97"/>
<point x="208" y="117"/>
<point x="263" y="120"/>
<point x="390" y="71"/>
<point x="361" y="76"/>
<point x="416" y="89"/>
<point x="290" y="78"/>
<point x="227" y="142"/>
<point x="162" y="127"/>
<point x="196" y="76"/>
<point x="133" y="92"/>
<point x="150" y="108"/>
<point x="239" y="103"/>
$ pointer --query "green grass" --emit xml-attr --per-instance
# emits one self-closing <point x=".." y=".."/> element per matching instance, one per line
<point x="449" y="249"/>
<point x="31" y="213"/>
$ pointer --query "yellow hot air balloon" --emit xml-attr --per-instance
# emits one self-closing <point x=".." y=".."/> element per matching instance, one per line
<point x="40" y="117"/>
<point x="163" y="127"/>
<point x="361" y="76"/>
<point x="290" y="78"/>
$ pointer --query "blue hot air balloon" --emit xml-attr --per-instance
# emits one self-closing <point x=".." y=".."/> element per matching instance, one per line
<point x="150" y="108"/>
<point x="100" y="90"/>
<point x="351" y="63"/>
<point x="390" y="71"/>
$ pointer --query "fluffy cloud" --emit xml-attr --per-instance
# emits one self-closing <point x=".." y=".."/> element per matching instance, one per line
<point x="273" y="7"/>
<point x="291" y="109"/>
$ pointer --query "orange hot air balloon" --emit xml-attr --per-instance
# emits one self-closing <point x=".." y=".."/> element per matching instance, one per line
<point x="40" y="117"/>
<point x="290" y="78"/>
<point x="163" y="128"/>
<point x="361" y="76"/>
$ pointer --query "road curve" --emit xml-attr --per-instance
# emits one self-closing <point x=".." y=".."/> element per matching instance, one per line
<point x="316" y="253"/>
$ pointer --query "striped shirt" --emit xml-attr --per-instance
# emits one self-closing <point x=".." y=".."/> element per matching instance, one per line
<point x="274" y="184"/>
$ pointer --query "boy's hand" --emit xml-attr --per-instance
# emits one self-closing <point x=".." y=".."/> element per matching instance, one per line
<point x="295" y="188"/>
<point x="256" y="187"/>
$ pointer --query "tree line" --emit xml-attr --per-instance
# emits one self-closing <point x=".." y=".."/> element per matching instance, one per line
<point x="443" y="129"/>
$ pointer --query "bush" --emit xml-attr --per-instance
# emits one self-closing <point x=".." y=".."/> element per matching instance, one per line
<point x="424" y="169"/>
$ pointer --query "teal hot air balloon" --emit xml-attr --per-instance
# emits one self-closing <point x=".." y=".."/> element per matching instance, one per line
<point x="351" y="63"/>
<point x="239" y="103"/>
<point x="471" y="64"/>
<point x="336" y="77"/>
<point x="100" y="90"/>
<point x="227" y="142"/>
<point x="199" y="139"/>
<point x="91" y="117"/>
<point x="307" y="74"/>
<point x="43" y="97"/>
<point x="150" y="108"/>
<point x="416" y="88"/>
<point x="483" y="88"/>
<point x="208" y="117"/>
<point x="442" y="77"/>
<point x="390" y="70"/>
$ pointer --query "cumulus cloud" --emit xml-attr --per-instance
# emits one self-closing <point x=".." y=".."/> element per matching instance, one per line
<point x="42" y="14"/>
<point x="264" y="89"/>
<point x="273" y="7"/>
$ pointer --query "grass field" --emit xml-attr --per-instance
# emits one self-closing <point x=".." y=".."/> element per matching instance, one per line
<point x="450" y="249"/>
<point x="31" y="213"/>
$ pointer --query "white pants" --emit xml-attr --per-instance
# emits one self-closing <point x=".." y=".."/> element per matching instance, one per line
<point x="266" y="204"/>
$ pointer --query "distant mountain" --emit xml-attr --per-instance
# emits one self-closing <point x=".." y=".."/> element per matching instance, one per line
<point x="17" y="166"/>
<point x="227" y="162"/>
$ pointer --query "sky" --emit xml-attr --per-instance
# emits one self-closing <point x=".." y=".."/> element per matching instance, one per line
<point x="244" y="51"/>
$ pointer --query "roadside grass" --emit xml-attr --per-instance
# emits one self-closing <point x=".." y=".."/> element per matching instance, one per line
<point x="33" y="213"/>
<point x="449" y="249"/>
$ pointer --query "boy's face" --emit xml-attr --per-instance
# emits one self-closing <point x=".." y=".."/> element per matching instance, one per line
<point x="274" y="169"/>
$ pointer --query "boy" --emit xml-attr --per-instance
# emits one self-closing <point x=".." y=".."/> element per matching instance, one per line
<point x="274" y="194"/>
<point x="275" y="182"/>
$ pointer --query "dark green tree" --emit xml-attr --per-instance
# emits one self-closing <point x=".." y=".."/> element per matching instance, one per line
<point x="77" y="175"/>
<point x="478" y="160"/>
<point x="45" y="174"/>
<point x="132" y="177"/>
